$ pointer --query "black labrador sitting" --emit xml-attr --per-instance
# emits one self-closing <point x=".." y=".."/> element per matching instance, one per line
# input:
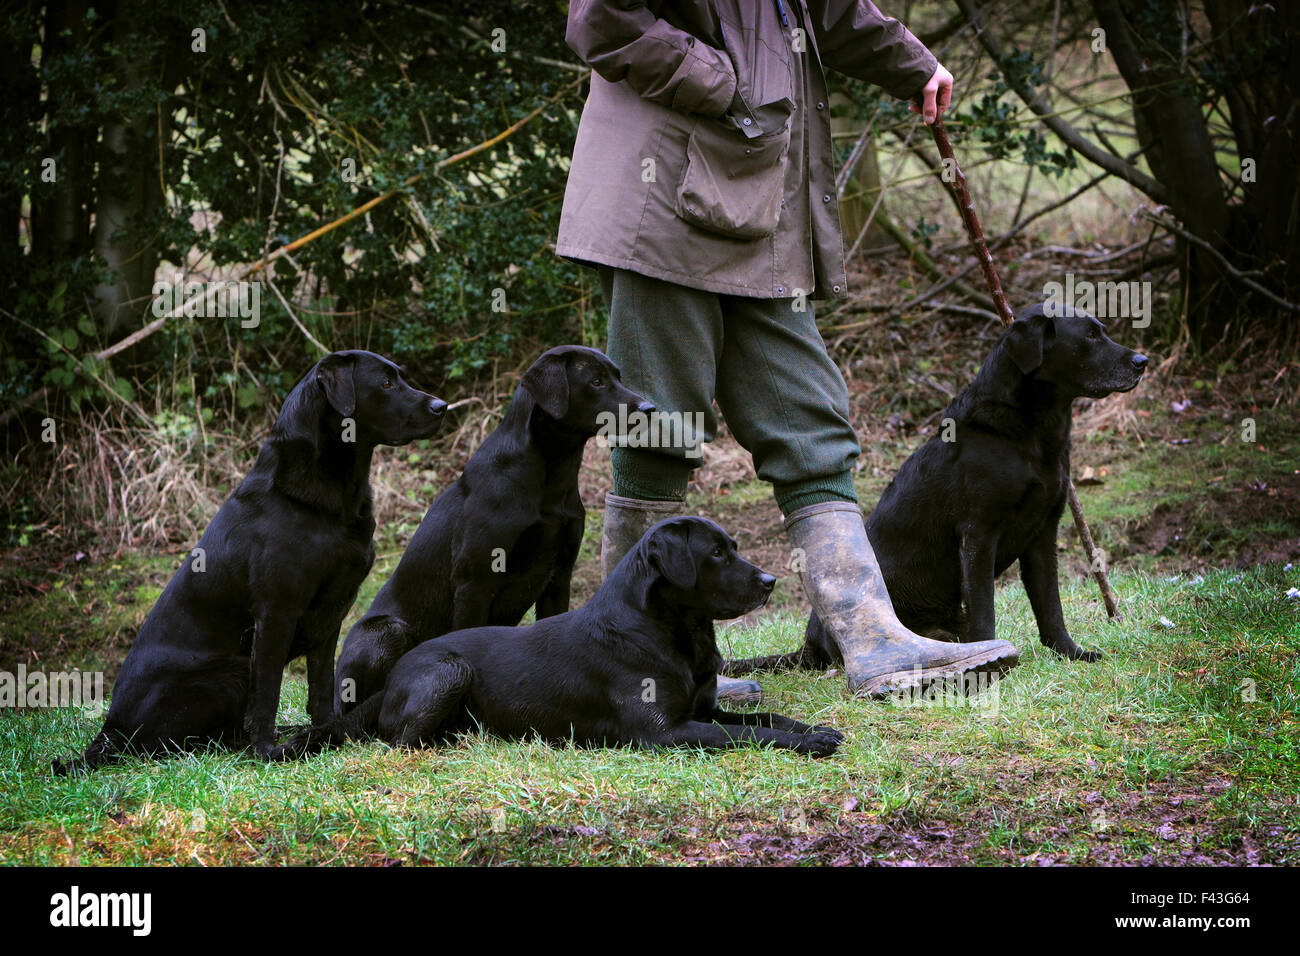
<point x="636" y="666"/>
<point x="959" y="512"/>
<point x="506" y="535"/>
<point x="273" y="574"/>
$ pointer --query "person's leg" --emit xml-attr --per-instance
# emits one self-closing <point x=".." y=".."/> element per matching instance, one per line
<point x="665" y="340"/>
<point x="786" y="402"/>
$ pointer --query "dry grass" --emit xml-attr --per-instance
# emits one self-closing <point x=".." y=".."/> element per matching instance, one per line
<point x="135" y="486"/>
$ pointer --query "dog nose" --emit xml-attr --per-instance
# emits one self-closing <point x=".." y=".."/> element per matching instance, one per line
<point x="1139" y="362"/>
<point x="767" y="581"/>
<point x="437" y="406"/>
<point x="645" y="408"/>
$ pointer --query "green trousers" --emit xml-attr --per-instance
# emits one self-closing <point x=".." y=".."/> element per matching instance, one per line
<point x="764" y="363"/>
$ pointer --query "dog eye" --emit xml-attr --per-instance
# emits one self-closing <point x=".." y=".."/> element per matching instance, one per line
<point x="388" y="383"/>
<point x="718" y="551"/>
<point x="597" y="383"/>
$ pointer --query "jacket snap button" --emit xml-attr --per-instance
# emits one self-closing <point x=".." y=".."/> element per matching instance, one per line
<point x="747" y="121"/>
<point x="821" y="105"/>
<point x="835" y="288"/>
<point x="780" y="288"/>
<point x="826" y="199"/>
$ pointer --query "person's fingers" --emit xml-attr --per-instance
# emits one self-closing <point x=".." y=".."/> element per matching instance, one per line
<point x="930" y="109"/>
<point x="945" y="95"/>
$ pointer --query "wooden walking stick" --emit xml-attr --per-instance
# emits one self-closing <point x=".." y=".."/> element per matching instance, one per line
<point x="955" y="180"/>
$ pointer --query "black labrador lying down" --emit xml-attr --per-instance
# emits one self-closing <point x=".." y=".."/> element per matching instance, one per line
<point x="273" y="575"/>
<point x="506" y="535"/>
<point x="959" y="512"/>
<point x="636" y="666"/>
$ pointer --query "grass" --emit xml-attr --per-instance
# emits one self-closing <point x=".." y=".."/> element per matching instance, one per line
<point x="1180" y="743"/>
<point x="1179" y="747"/>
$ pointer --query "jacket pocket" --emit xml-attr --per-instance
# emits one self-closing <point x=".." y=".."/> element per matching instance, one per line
<point x="731" y="184"/>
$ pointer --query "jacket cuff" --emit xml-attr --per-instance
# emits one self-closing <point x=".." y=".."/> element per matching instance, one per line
<point x="707" y="84"/>
<point x="910" y="84"/>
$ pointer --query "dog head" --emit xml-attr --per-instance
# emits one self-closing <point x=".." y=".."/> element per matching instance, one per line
<point x="580" y="388"/>
<point x="1072" y="353"/>
<point x="370" y="390"/>
<point x="697" y="567"/>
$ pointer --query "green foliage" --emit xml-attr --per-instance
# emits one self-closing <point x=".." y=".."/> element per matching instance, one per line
<point x="996" y="121"/>
<point x="258" y="132"/>
<point x="923" y="230"/>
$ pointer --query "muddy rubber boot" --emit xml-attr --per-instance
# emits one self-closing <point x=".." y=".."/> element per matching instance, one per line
<point x="626" y="521"/>
<point x="842" y="579"/>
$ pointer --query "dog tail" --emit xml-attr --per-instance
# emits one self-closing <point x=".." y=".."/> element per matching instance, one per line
<point x="357" y="724"/>
<point x="102" y="750"/>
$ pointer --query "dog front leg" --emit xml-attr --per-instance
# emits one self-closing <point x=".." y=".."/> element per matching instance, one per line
<point x="477" y="572"/>
<point x="473" y="605"/>
<point x="554" y="598"/>
<point x="1038" y="573"/>
<point x="978" y="556"/>
<point x="318" y="632"/>
<point x="272" y="638"/>
<point x="728" y="737"/>
<point x="775" y="721"/>
<point x="320" y="680"/>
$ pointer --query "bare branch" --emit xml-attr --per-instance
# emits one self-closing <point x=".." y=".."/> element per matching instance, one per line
<point x="1237" y="274"/>
<point x="1052" y="120"/>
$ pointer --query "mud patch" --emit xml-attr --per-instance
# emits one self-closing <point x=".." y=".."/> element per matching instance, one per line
<point x="1195" y="534"/>
<point x="1174" y="824"/>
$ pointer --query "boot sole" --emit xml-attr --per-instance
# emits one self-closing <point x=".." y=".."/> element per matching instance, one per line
<point x="748" y="700"/>
<point x="989" y="662"/>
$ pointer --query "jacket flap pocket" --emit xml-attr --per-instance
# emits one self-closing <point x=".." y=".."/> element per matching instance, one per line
<point x="732" y="185"/>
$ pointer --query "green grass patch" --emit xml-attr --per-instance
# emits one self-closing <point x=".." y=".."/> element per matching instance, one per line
<point x="1178" y="746"/>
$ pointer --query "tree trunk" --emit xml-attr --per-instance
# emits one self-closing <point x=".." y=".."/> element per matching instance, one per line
<point x="1150" y="44"/>
<point x="1266" y="128"/>
<point x="1176" y="142"/>
<point x="862" y="189"/>
<point x="128" y="198"/>
<point x="60" y="217"/>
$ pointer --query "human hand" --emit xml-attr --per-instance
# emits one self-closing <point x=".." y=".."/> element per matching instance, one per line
<point x="935" y="96"/>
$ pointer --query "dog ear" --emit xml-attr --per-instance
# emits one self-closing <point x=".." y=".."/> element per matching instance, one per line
<point x="1025" y="341"/>
<point x="335" y="376"/>
<point x="547" y="381"/>
<point x="669" y="553"/>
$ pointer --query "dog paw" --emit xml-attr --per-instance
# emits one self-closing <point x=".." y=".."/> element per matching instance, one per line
<point x="822" y="742"/>
<point x="1072" y="651"/>
<point x="268" y="751"/>
<point x="830" y="732"/>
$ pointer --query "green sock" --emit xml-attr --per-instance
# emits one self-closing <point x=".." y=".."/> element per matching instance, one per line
<point x="814" y="491"/>
<point x="648" y="476"/>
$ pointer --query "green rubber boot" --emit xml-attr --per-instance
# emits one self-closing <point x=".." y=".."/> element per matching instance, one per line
<point x="842" y="580"/>
<point x="626" y="521"/>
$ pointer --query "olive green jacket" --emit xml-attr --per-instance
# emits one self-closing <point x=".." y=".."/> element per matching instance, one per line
<point x="704" y="152"/>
